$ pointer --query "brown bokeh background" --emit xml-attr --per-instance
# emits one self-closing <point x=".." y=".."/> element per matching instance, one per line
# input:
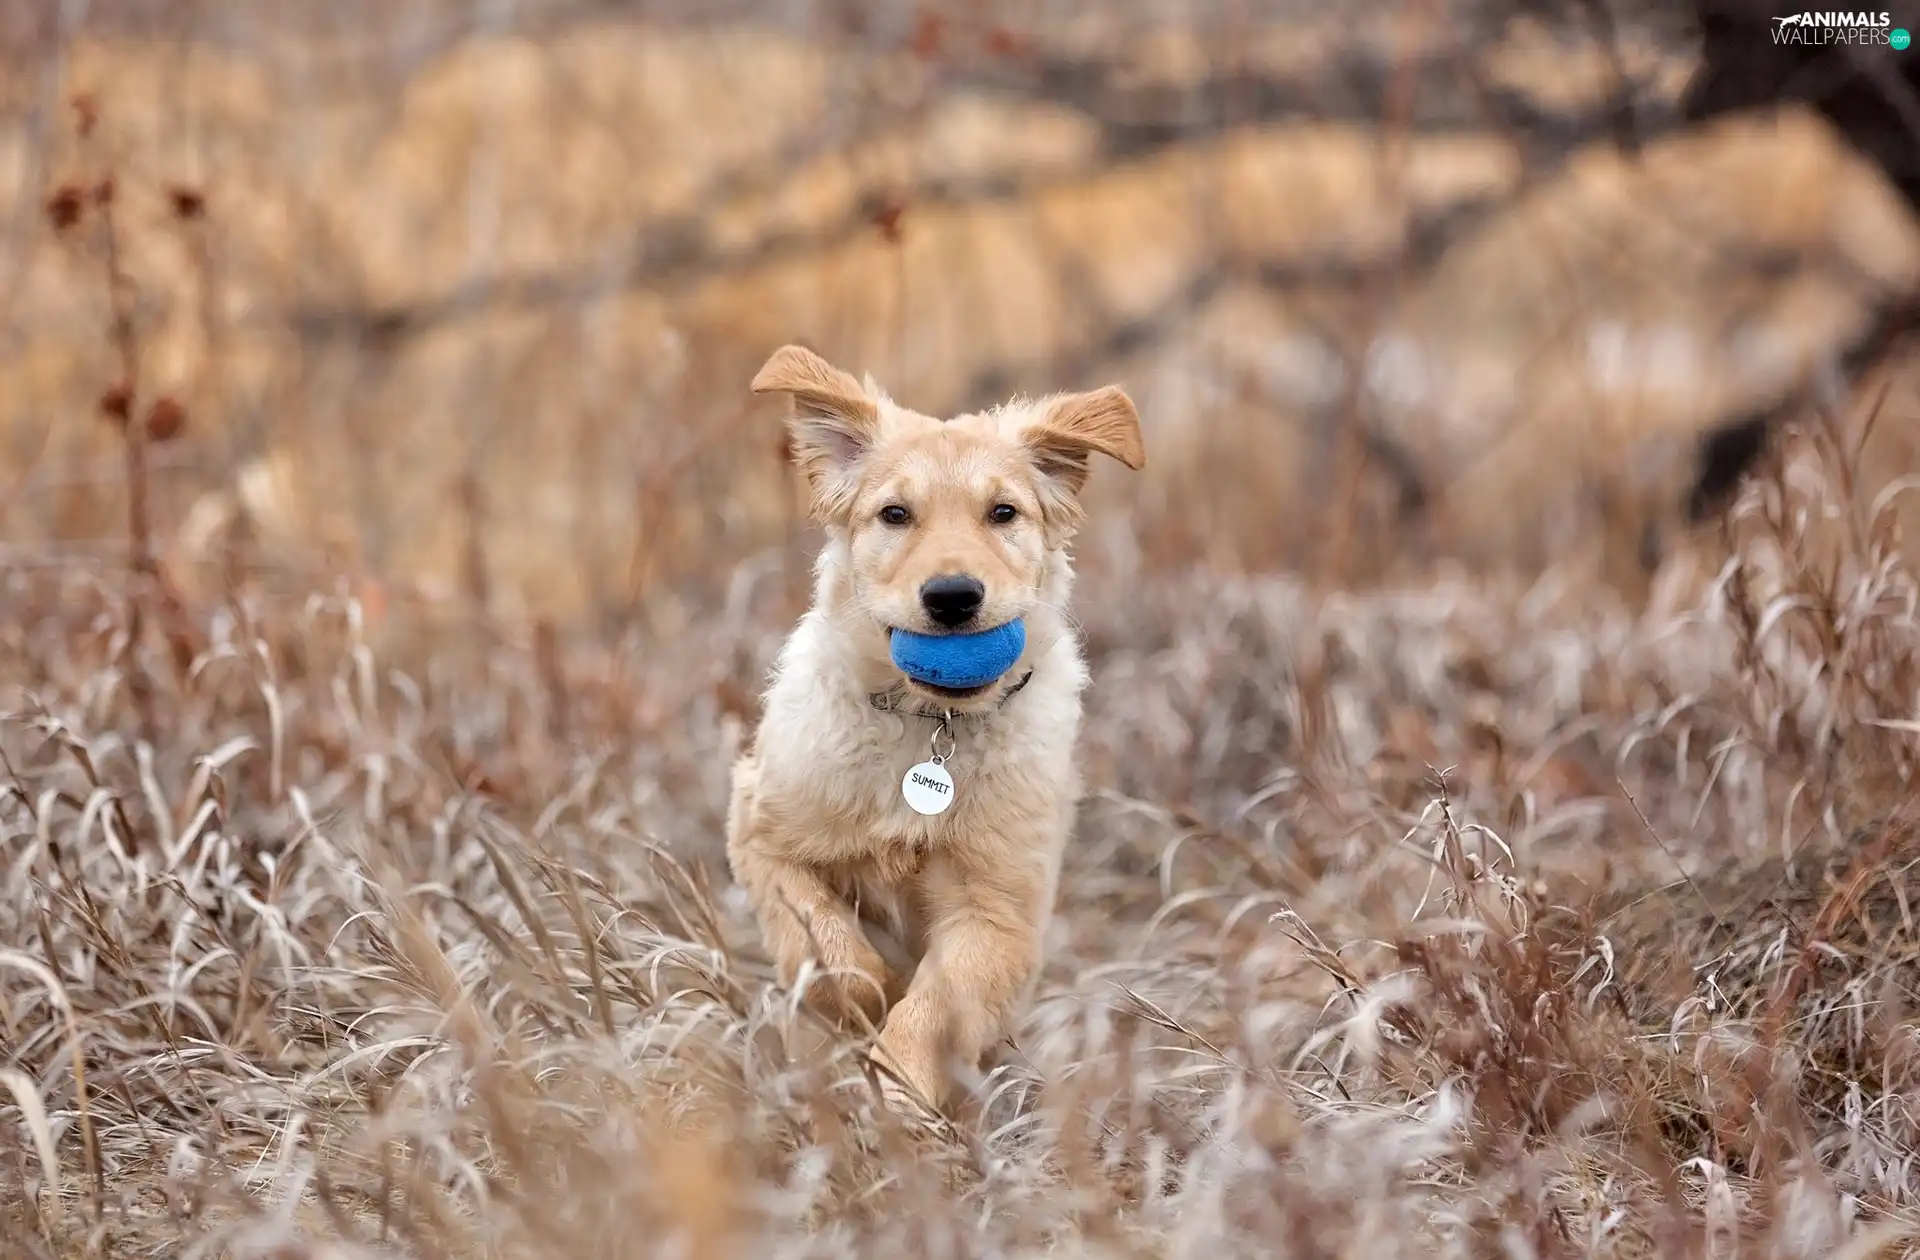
<point x="465" y="301"/>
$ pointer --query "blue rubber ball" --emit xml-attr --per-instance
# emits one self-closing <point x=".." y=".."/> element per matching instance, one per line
<point x="959" y="661"/>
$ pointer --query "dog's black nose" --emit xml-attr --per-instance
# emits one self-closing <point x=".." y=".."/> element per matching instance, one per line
<point x="952" y="598"/>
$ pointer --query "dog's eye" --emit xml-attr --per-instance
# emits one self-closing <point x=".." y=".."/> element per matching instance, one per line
<point x="1002" y="513"/>
<point x="894" y="514"/>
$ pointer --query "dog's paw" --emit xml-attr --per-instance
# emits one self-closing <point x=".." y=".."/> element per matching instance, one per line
<point x="908" y="1093"/>
<point x="859" y="999"/>
<point x="848" y="986"/>
<point x="904" y="1105"/>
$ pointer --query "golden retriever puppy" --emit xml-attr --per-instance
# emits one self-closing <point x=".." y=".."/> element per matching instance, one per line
<point x="872" y="807"/>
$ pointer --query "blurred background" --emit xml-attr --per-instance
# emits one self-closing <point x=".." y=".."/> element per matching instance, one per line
<point x="462" y="299"/>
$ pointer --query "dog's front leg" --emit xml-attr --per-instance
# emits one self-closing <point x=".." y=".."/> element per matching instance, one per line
<point x="984" y="922"/>
<point x="801" y="916"/>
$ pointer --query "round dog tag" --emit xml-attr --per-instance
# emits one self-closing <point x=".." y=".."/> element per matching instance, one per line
<point x="928" y="788"/>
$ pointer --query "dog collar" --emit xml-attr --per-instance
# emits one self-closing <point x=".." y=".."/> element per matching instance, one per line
<point x="928" y="788"/>
<point x="890" y="700"/>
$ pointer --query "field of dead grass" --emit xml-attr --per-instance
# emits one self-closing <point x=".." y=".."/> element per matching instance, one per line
<point x="1447" y="920"/>
<point x="1451" y="902"/>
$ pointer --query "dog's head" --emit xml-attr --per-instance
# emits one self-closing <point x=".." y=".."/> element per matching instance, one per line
<point x="948" y="526"/>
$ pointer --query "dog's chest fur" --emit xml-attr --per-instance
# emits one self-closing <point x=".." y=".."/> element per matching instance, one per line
<point x="828" y="765"/>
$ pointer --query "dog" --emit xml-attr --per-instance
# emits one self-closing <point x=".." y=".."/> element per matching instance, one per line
<point x="933" y="527"/>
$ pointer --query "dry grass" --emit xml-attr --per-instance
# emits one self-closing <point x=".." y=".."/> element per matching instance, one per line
<point x="1414" y="910"/>
<point x="433" y="956"/>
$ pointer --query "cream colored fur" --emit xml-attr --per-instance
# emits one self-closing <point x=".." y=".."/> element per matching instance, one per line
<point x="835" y="863"/>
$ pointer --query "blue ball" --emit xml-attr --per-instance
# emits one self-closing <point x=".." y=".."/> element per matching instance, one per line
<point x="959" y="661"/>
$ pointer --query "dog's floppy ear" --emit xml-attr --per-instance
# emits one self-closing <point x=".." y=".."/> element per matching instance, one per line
<point x="833" y="424"/>
<point x="1070" y="430"/>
